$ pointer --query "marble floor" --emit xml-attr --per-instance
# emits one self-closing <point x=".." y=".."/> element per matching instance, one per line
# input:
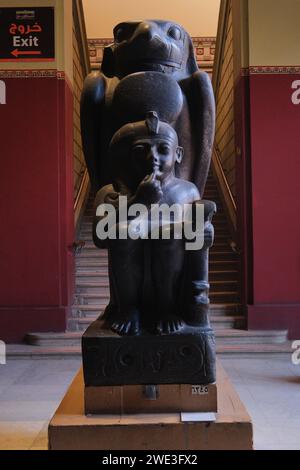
<point x="270" y="390"/>
<point x="30" y="391"/>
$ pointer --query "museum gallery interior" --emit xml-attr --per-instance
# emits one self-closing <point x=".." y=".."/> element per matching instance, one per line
<point x="149" y="292"/>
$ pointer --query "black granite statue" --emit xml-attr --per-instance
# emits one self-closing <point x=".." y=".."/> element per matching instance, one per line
<point x="148" y="127"/>
<point x="143" y="46"/>
<point x="149" y="149"/>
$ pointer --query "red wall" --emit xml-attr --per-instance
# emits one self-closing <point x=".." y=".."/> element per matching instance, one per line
<point x="36" y="206"/>
<point x="272" y="177"/>
<point x="275" y="146"/>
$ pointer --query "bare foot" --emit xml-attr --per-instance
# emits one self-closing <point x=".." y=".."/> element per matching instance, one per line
<point x="168" y="325"/>
<point x="127" y="324"/>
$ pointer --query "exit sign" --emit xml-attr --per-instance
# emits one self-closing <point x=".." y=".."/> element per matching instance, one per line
<point x="27" y="34"/>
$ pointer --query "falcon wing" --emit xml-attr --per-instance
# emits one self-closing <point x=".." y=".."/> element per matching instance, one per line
<point x="91" y="110"/>
<point x="201" y="103"/>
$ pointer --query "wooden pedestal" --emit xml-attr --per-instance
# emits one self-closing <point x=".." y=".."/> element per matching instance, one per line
<point x="71" y="429"/>
<point x="131" y="399"/>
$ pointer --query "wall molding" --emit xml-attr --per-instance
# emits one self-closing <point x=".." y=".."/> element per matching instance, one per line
<point x="33" y="73"/>
<point x="270" y="70"/>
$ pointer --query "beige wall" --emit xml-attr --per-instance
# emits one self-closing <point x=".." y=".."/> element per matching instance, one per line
<point x="274" y="32"/>
<point x="198" y="17"/>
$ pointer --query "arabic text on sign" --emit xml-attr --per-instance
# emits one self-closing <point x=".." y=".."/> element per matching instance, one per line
<point x="24" y="29"/>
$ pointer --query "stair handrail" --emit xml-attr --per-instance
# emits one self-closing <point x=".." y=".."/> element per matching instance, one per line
<point x="220" y="42"/>
<point x="226" y="194"/>
<point x="79" y="25"/>
<point x="225" y="191"/>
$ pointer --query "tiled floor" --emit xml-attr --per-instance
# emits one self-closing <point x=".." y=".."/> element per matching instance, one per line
<point x="30" y="391"/>
<point x="270" y="389"/>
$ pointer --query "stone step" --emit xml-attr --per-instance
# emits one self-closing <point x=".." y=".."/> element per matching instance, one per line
<point x="219" y="239"/>
<point x="222" y="238"/>
<point x="220" y="235"/>
<point x="102" y="266"/>
<point x="243" y="337"/>
<point x="217" y="321"/>
<point x="219" y="245"/>
<point x="91" y="299"/>
<point x="212" y="195"/>
<point x="83" y="287"/>
<point x="223" y="337"/>
<point x="85" y="310"/>
<point x="89" y="244"/>
<point x="97" y="297"/>
<point x="87" y="219"/>
<point x="217" y="255"/>
<point x="211" y="183"/>
<point x="89" y="214"/>
<point x="89" y="286"/>
<point x="222" y="255"/>
<point x="223" y="297"/>
<point x="101" y="270"/>
<point x="214" y="275"/>
<point x="218" y="220"/>
<point x="92" y="250"/>
<point x="85" y="270"/>
<point x="91" y="275"/>
<point x="91" y="261"/>
<point x="254" y="350"/>
<point x="259" y="351"/>
<point x="70" y="338"/>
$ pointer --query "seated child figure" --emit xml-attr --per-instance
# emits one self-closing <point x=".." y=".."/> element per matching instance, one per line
<point x="143" y="156"/>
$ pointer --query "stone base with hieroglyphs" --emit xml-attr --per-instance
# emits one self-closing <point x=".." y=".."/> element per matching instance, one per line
<point x="187" y="357"/>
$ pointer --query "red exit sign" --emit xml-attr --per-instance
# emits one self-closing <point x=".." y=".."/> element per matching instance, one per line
<point x="27" y="34"/>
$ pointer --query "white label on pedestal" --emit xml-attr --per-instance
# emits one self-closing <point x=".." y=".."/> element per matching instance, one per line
<point x="199" y="390"/>
<point x="196" y="417"/>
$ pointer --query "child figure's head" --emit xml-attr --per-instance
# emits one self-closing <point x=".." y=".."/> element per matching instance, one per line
<point x="155" y="148"/>
<point x="149" y="146"/>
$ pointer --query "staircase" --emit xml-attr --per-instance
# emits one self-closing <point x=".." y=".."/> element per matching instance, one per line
<point x="92" y="295"/>
<point x="92" y="286"/>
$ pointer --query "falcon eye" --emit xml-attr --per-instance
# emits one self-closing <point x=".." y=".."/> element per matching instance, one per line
<point x="175" y="33"/>
<point x="120" y="35"/>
